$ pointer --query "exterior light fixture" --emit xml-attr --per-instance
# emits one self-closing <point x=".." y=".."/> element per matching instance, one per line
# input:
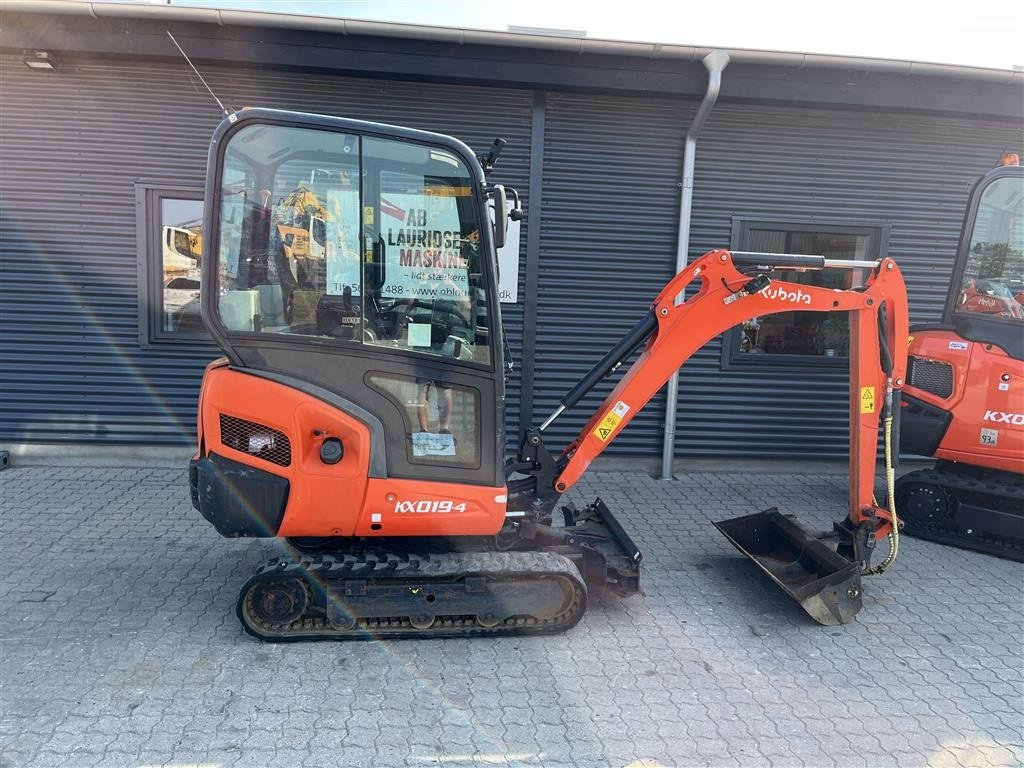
<point x="40" y="60"/>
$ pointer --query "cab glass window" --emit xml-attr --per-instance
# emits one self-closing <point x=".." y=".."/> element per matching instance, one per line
<point x="366" y="240"/>
<point x="993" y="278"/>
<point x="442" y="420"/>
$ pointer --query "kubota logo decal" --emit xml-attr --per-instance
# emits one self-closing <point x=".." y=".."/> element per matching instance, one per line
<point x="781" y="294"/>
<point x="1004" y="418"/>
<point x="427" y="507"/>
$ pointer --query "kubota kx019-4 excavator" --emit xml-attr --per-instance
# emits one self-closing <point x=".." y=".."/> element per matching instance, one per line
<point x="361" y="416"/>
<point x="964" y="398"/>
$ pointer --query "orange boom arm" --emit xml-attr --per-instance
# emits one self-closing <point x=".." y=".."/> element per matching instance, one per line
<point x="877" y="309"/>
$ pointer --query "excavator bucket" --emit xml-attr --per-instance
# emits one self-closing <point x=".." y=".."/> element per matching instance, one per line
<point x="825" y="583"/>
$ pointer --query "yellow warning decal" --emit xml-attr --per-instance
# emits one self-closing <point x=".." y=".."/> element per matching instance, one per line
<point x="368" y="215"/>
<point x="867" y="399"/>
<point x="611" y="420"/>
<point x="606" y="426"/>
<point x="910" y="340"/>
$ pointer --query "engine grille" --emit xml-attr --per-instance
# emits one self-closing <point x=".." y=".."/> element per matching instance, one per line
<point x="931" y="376"/>
<point x="256" y="439"/>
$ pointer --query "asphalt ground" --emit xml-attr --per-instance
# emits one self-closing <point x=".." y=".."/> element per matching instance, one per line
<point x="119" y="647"/>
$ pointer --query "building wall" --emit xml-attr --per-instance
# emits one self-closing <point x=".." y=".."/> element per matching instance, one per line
<point x="610" y="201"/>
<point x="74" y="143"/>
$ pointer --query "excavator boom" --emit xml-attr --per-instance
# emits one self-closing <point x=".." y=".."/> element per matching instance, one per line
<point x="825" y="583"/>
<point x="721" y="302"/>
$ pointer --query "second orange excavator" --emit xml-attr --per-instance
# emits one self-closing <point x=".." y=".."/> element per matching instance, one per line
<point x="964" y="399"/>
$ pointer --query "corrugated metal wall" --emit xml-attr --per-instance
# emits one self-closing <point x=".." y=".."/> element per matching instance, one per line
<point x="72" y="145"/>
<point x="608" y="239"/>
<point x="610" y="207"/>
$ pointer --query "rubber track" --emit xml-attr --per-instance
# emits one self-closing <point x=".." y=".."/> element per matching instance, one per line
<point x="333" y="572"/>
<point x="978" y="491"/>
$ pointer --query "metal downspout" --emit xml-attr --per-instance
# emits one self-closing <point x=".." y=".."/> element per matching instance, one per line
<point x="714" y="62"/>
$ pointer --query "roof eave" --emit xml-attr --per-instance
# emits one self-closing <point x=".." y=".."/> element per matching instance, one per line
<point x="461" y="36"/>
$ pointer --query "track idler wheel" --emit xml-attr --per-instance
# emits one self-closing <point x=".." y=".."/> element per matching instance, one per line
<point x="277" y="603"/>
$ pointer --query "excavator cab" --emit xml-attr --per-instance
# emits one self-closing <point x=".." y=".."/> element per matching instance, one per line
<point x="358" y="260"/>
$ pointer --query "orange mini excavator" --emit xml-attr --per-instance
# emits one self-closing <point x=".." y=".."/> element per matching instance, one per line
<point x="964" y="400"/>
<point x="359" y="409"/>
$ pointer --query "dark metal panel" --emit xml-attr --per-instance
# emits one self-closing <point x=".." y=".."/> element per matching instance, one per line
<point x="610" y="206"/>
<point x="389" y="57"/>
<point x="73" y="144"/>
<point x="611" y="198"/>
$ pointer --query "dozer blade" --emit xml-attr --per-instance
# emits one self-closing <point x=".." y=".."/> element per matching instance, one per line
<point x="826" y="584"/>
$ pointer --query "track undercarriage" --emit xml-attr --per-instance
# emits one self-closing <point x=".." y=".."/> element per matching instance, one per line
<point x="965" y="506"/>
<point x="531" y="579"/>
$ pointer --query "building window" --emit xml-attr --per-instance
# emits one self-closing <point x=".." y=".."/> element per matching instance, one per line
<point x="801" y="338"/>
<point x="170" y="250"/>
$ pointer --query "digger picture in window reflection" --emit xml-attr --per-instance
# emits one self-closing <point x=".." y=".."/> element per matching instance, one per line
<point x="315" y="261"/>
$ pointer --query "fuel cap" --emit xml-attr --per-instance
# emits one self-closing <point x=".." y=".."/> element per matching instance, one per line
<point x="331" y="451"/>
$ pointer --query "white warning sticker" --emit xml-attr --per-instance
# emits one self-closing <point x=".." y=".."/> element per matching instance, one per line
<point x="620" y="409"/>
<point x="958" y="345"/>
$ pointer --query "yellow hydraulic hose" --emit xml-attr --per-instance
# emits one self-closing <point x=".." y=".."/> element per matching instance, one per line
<point x="890" y="489"/>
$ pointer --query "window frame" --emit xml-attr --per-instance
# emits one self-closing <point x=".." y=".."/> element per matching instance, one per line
<point x="149" y="249"/>
<point x="876" y="234"/>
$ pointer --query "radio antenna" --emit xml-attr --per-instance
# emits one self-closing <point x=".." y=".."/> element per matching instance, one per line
<point x="214" y="95"/>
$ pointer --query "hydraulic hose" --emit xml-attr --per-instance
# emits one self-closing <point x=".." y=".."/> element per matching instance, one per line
<point x="890" y="489"/>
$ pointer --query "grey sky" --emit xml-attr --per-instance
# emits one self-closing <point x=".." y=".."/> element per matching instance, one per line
<point x="979" y="32"/>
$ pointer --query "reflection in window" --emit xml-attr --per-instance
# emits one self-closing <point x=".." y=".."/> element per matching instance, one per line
<point x="993" y="280"/>
<point x="288" y="259"/>
<point x="431" y="262"/>
<point x="442" y="420"/>
<point x="803" y="333"/>
<point x="181" y="241"/>
<point x="360" y="239"/>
